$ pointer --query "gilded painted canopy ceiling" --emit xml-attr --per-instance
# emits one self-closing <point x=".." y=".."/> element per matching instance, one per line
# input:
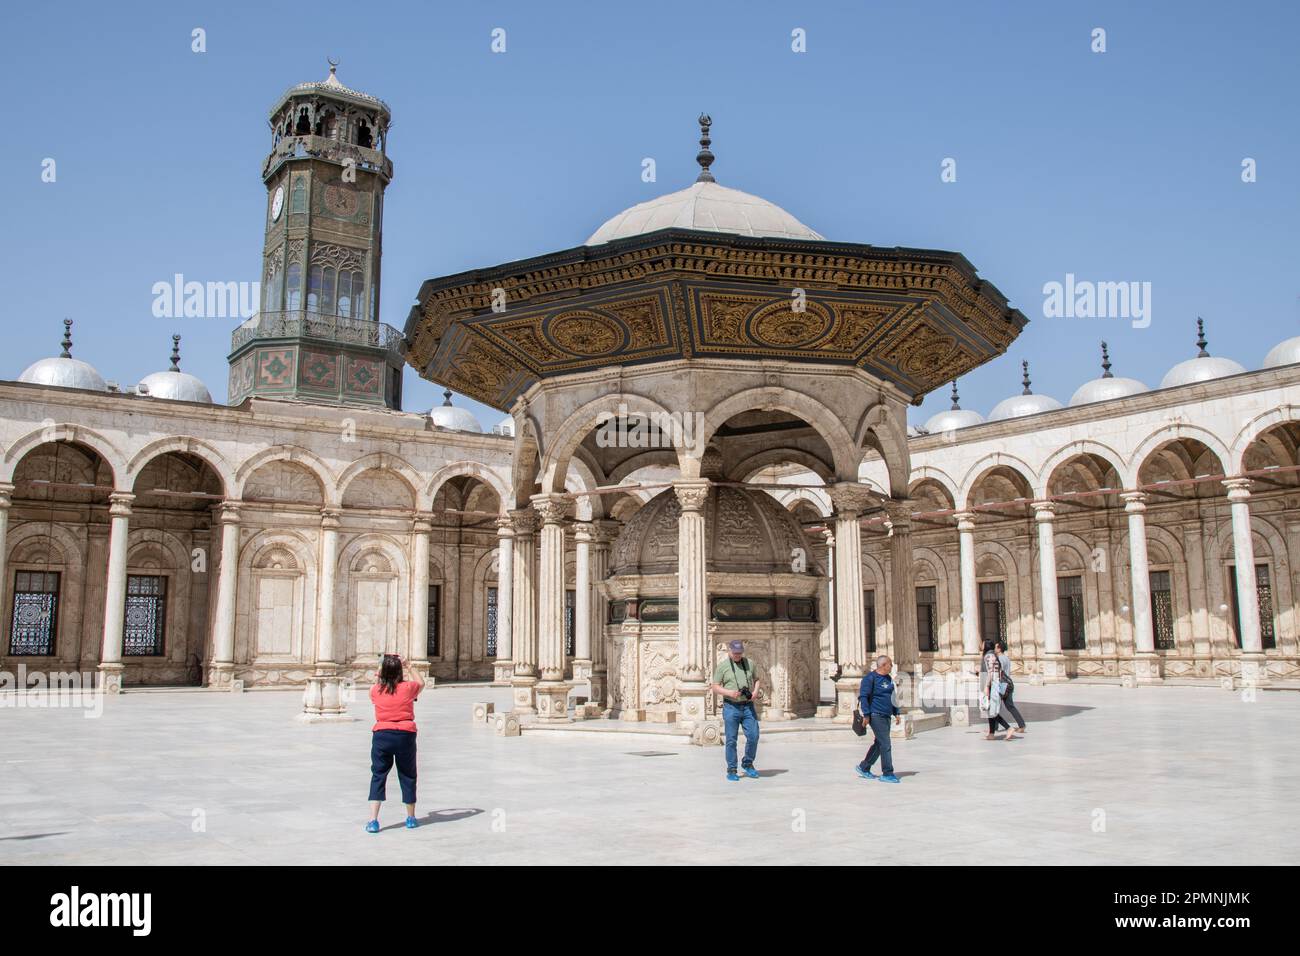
<point x="915" y="318"/>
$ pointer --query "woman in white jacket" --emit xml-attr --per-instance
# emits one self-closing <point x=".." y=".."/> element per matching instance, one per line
<point x="992" y="702"/>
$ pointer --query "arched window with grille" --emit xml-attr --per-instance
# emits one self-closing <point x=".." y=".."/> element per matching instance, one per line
<point x="345" y="294"/>
<point x="293" y="288"/>
<point x="315" y="282"/>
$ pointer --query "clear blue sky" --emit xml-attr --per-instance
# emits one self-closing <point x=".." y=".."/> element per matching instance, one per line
<point x="1117" y="166"/>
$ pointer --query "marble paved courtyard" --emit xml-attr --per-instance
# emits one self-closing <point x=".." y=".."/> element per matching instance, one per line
<point x="1105" y="775"/>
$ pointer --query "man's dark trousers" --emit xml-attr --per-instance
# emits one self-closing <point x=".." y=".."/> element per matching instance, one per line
<point x="880" y="747"/>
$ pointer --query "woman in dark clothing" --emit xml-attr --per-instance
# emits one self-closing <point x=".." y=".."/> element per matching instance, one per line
<point x="994" y="693"/>
<point x="1008" y="703"/>
<point x="393" y="737"/>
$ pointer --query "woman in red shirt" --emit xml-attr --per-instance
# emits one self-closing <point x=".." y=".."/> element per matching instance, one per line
<point x="393" y="738"/>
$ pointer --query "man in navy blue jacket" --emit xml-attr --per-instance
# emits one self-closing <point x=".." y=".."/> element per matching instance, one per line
<point x="876" y="701"/>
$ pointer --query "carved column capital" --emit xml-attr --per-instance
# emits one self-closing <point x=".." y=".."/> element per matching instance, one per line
<point x="228" y="512"/>
<point x="898" y="512"/>
<point x="850" y="498"/>
<point x="551" y="509"/>
<point x="1044" y="510"/>
<point x="6" y="494"/>
<point x="329" y="518"/>
<point x="692" y="493"/>
<point x="119" y="504"/>
<point x="524" y="521"/>
<point x="422" y="522"/>
<point x="1135" y="502"/>
<point x="505" y="526"/>
<point x="584" y="532"/>
<point x="1238" y="488"/>
<point x="965" y="521"/>
<point x="604" y="532"/>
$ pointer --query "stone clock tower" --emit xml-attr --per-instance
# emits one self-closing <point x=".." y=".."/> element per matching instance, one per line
<point x="318" y="337"/>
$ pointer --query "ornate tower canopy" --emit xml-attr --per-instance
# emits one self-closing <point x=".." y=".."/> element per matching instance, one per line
<point x="708" y="272"/>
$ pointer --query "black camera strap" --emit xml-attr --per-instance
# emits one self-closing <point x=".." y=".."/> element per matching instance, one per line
<point x="744" y="666"/>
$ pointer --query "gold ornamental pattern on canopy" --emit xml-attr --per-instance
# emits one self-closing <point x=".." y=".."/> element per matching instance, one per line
<point x="915" y="318"/>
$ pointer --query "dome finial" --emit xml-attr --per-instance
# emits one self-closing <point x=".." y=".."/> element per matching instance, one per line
<point x="1201" y="341"/>
<point x="176" y="353"/>
<point x="67" y="339"/>
<point x="446" y="398"/>
<point x="705" y="157"/>
<point x="1025" y="377"/>
<point x="955" y="406"/>
<point x="1105" y="362"/>
<point x="334" y="65"/>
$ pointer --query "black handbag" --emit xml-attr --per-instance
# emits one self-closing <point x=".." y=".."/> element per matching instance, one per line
<point x="859" y="725"/>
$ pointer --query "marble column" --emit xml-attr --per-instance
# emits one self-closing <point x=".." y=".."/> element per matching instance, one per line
<point x="581" y="663"/>
<point x="110" y="658"/>
<point x="692" y="603"/>
<point x="523" y="620"/>
<point x="322" y="697"/>
<point x="504" y="666"/>
<point x="552" y="690"/>
<point x="1146" y="662"/>
<point x="970" y="608"/>
<point x="832" y="648"/>
<point x="421" y="532"/>
<point x="849" y="499"/>
<point x="1054" y="669"/>
<point x="604" y="533"/>
<point x="6" y="500"/>
<point x="902" y="589"/>
<point x="221" y="670"/>
<point x="1199" y="613"/>
<point x="1253" y="670"/>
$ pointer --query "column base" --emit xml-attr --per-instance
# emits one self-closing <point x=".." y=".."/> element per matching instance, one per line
<point x="502" y="671"/>
<point x="1254" y="670"/>
<point x="1053" y="669"/>
<point x="324" y="695"/>
<point x="220" y="675"/>
<point x="553" y="702"/>
<point x="970" y="665"/>
<point x="110" y="678"/>
<point x="1147" y="669"/>
<point x="581" y="668"/>
<point x="690" y="704"/>
<point x="600" y="688"/>
<point x="421" y="668"/>
<point x="846" y="698"/>
<point x="523" y="689"/>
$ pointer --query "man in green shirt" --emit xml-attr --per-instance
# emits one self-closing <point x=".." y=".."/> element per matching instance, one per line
<point x="737" y="681"/>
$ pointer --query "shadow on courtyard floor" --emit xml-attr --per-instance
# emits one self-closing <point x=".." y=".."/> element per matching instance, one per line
<point x="438" y="816"/>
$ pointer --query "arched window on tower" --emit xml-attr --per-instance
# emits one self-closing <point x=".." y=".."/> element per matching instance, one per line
<point x="345" y="294"/>
<point x="327" y="292"/>
<point x="274" y="278"/>
<point x="363" y="134"/>
<point x="293" y="288"/>
<point x="315" y="280"/>
<point x="304" y="124"/>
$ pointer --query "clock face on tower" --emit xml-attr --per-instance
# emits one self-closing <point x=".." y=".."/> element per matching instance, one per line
<point x="277" y="203"/>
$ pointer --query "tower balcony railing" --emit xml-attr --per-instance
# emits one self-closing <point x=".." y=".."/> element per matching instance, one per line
<point x="314" y="325"/>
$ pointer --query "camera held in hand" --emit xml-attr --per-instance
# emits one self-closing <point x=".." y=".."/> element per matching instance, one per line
<point x="744" y="694"/>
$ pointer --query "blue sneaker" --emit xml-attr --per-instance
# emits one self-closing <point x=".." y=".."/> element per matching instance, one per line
<point x="864" y="774"/>
<point x="889" y="778"/>
<point x="372" y="826"/>
<point x="412" y="823"/>
<point x="733" y="776"/>
<point x="751" y="773"/>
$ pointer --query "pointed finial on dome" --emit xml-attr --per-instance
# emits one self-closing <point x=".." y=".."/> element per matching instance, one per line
<point x="705" y="157"/>
<point x="176" y="353"/>
<point x="955" y="406"/>
<point x="67" y="339"/>
<point x="1025" y="377"/>
<point x="1105" y="362"/>
<point x="334" y="65"/>
<point x="446" y="399"/>
<point x="1201" y="341"/>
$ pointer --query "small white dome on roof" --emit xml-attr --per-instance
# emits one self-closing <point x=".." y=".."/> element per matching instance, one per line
<point x="1108" y="387"/>
<point x="1203" y="368"/>
<point x="1026" y="403"/>
<point x="63" y="371"/>
<point x="455" y="419"/>
<point x="1284" y="353"/>
<point x="173" y="383"/>
<point x="953" y="418"/>
<point x="706" y="206"/>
